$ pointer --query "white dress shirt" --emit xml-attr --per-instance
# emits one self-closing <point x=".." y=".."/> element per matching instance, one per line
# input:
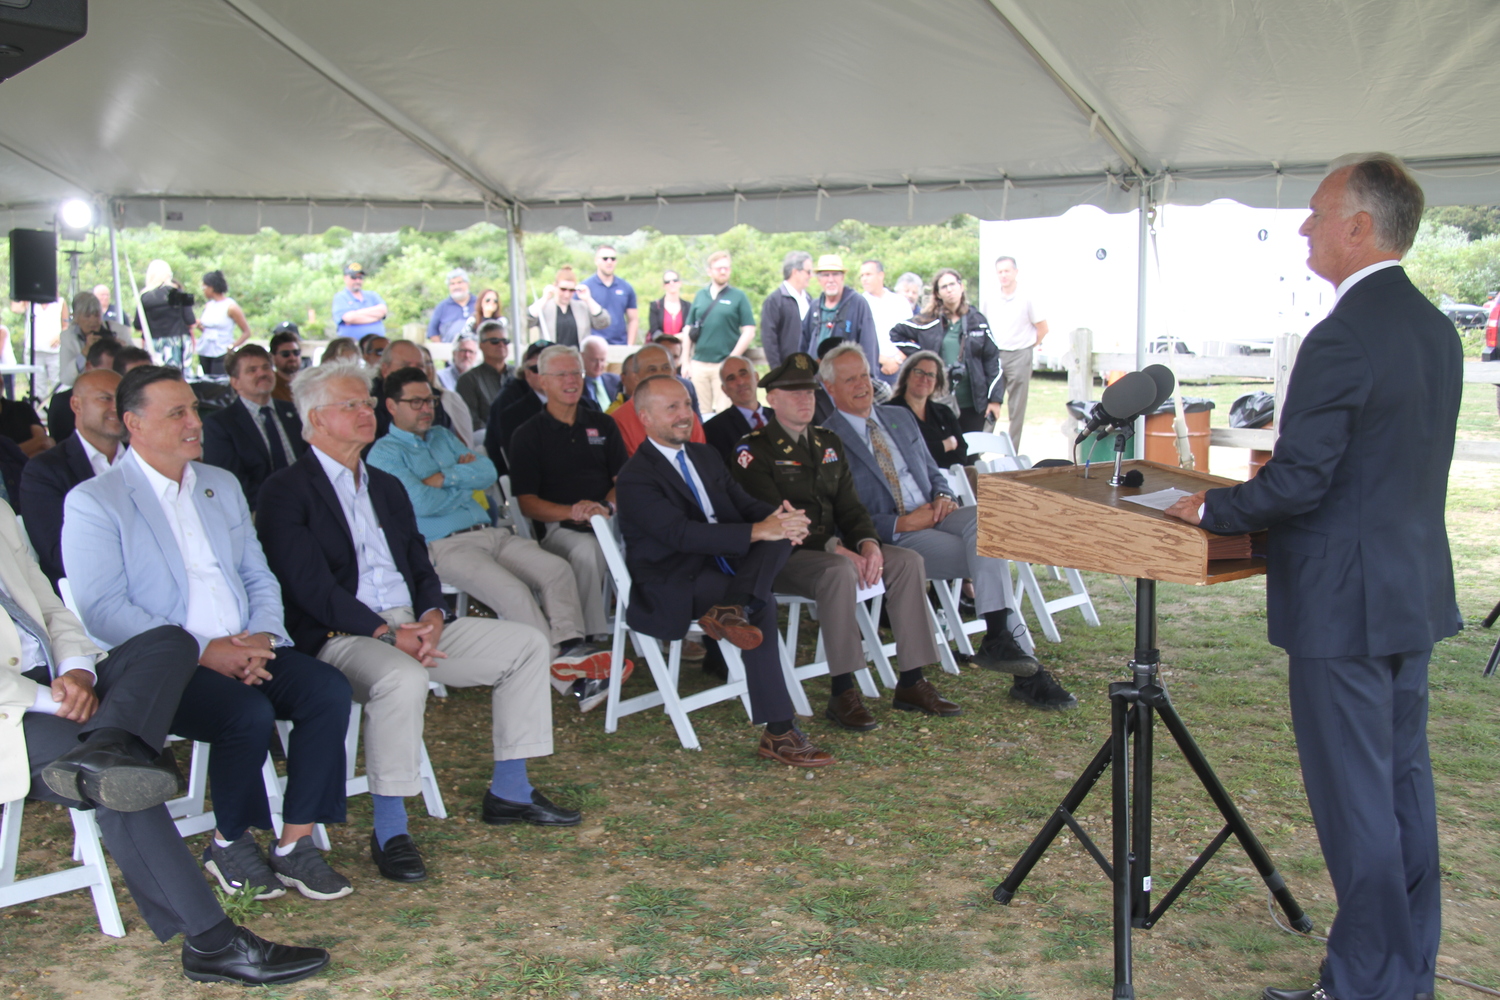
<point x="1361" y="274"/>
<point x="32" y="656"/>
<point x="212" y="610"/>
<point x="671" y="454"/>
<point x="381" y="585"/>
<point x="803" y="302"/>
<point x="97" y="460"/>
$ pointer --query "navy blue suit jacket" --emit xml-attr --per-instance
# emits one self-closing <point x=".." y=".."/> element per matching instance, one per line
<point x="45" y="481"/>
<point x="310" y="549"/>
<point x="874" y="491"/>
<point x="232" y="441"/>
<point x="1354" y="494"/>
<point x="668" y="540"/>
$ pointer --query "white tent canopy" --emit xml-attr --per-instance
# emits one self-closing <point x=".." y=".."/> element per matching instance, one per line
<point x="691" y="117"/>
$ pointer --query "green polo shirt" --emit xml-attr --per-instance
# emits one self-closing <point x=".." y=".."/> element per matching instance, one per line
<point x="718" y="322"/>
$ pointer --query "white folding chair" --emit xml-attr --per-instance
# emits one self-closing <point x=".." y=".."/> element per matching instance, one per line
<point x="665" y="672"/>
<point x="517" y="520"/>
<point x="92" y="874"/>
<point x="819" y="665"/>
<point x="990" y="443"/>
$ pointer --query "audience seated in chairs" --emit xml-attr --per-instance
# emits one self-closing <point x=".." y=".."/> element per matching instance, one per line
<point x="286" y="354"/>
<point x="699" y="546"/>
<point x="911" y="506"/>
<point x="599" y="384"/>
<point x="91" y="449"/>
<point x="100" y="354"/>
<point x="482" y="384"/>
<point x="791" y="460"/>
<point x="162" y="539"/>
<point x="744" y="414"/>
<point x="921" y="383"/>
<point x="130" y="357"/>
<point x="361" y="594"/>
<point x="463" y="424"/>
<point x="91" y="732"/>
<point x="649" y="361"/>
<point x="397" y="355"/>
<point x="255" y="435"/>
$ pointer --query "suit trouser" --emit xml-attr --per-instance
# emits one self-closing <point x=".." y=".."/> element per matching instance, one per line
<point x="831" y="580"/>
<point x="513" y="659"/>
<point x="1015" y="368"/>
<point x="502" y="569"/>
<point x="238" y="721"/>
<point x="138" y="684"/>
<point x="754" y="574"/>
<point x="581" y="550"/>
<point x="1361" y="725"/>
<point x="950" y="551"/>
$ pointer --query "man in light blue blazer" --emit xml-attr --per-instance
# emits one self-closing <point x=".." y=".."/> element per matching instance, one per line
<point x="912" y="505"/>
<point x="162" y="539"/>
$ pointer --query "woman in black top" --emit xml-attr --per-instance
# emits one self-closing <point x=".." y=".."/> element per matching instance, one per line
<point x="960" y="335"/>
<point x="920" y="380"/>
<point x="170" y="325"/>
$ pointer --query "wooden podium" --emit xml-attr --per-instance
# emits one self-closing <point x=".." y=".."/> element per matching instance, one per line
<point x="1055" y="517"/>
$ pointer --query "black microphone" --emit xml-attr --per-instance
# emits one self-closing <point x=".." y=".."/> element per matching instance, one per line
<point x="1121" y="402"/>
<point x="1165" y="383"/>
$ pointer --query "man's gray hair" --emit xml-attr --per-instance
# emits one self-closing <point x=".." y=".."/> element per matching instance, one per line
<point x="911" y="278"/>
<point x="85" y="304"/>
<point x="793" y="262"/>
<point x="312" y="387"/>
<point x="458" y="272"/>
<point x="595" y="340"/>
<point x="557" y="351"/>
<point x="1381" y="185"/>
<point x="825" y="367"/>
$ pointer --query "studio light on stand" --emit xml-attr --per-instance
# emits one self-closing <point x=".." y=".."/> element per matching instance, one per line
<point x="75" y="223"/>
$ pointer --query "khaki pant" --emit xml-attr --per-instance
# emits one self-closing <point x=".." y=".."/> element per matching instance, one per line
<point x="513" y="659"/>
<point x="502" y="570"/>
<point x="581" y="550"/>
<point x="1015" y="368"/>
<point x="705" y="378"/>
<point x="831" y="580"/>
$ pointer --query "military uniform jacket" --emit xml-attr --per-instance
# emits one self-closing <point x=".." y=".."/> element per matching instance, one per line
<point x="773" y="467"/>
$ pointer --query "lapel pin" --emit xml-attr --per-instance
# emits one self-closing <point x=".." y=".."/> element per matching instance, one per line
<point x="208" y="493"/>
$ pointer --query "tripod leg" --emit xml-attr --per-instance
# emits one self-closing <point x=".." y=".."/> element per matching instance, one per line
<point x="1236" y="823"/>
<point x="1489" y="668"/>
<point x="1006" y="890"/>
<point x="1120" y="710"/>
<point x="1140" y="872"/>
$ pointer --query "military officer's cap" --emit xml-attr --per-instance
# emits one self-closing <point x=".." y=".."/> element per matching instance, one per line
<point x="799" y="371"/>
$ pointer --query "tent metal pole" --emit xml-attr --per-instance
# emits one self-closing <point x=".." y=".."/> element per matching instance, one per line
<point x="517" y="268"/>
<point x="114" y="261"/>
<point x="1143" y="237"/>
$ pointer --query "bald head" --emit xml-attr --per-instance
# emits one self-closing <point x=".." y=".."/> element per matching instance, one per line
<point x="401" y="354"/>
<point x="648" y="361"/>
<point x="665" y="411"/>
<point x="94" y="413"/>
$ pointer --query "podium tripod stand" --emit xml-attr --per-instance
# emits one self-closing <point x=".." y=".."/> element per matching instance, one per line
<point x="1021" y="514"/>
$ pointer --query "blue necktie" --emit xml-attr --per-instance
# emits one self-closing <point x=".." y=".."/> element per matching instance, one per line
<point x="688" y="476"/>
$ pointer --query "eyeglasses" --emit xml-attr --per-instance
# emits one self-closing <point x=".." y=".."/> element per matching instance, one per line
<point x="418" y="402"/>
<point x="949" y="286"/>
<point x="289" y="354"/>
<point x="575" y="373"/>
<point x="495" y="340"/>
<point x="606" y="258"/>
<point x="532" y="368"/>
<point x="350" y="405"/>
<point x="924" y="373"/>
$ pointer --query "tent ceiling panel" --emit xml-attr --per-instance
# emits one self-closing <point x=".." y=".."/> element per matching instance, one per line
<point x="693" y="116"/>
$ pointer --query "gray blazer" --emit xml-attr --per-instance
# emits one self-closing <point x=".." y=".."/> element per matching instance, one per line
<point x="874" y="492"/>
<point x="126" y="570"/>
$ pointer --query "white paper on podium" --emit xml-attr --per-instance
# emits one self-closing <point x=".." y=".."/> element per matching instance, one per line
<point x="1161" y="499"/>
<point x="874" y="590"/>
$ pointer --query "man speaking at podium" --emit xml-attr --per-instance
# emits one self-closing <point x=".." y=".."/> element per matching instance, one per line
<point x="1359" y="580"/>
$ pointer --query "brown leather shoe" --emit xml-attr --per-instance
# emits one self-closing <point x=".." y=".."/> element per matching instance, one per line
<point x="848" y="710"/>
<point x="725" y="621"/>
<point x="792" y="748"/>
<point x="692" y="651"/>
<point x="923" y="697"/>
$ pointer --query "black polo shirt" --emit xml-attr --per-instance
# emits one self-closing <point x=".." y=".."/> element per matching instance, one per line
<point x="16" y="420"/>
<point x="563" y="463"/>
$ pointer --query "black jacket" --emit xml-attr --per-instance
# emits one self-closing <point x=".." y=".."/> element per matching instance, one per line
<point x="308" y="546"/>
<point x="941" y="423"/>
<point x="165" y="320"/>
<point x="725" y="429"/>
<point x="668" y="540"/>
<point x="780" y="326"/>
<point x="656" y="316"/>
<point x="60" y="421"/>
<point x="978" y="354"/>
<point x="232" y="441"/>
<point x="45" y="481"/>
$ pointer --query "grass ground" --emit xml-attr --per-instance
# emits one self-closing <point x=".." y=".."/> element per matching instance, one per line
<point x="715" y="874"/>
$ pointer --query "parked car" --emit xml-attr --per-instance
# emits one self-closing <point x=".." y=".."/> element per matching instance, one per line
<point x="1491" y="350"/>
<point x="1466" y="316"/>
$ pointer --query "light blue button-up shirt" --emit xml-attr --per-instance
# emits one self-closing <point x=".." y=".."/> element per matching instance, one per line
<point x="441" y="510"/>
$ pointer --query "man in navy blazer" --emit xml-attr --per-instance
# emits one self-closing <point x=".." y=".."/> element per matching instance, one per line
<point x="1359" y="580"/>
<point x="255" y="435"/>
<point x="162" y="539"/>
<point x="698" y="546"/>
<point x="913" y="506"/>
<point x="91" y="449"/>
<point x="743" y="415"/>
<point x="600" y="385"/>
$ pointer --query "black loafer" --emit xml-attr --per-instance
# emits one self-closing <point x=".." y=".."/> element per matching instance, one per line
<point x="252" y="961"/>
<point x="540" y="811"/>
<point x="399" y="860"/>
<point x="107" y="770"/>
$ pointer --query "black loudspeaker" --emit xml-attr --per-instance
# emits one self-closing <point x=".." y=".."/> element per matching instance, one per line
<point x="32" y="30"/>
<point x="33" y="265"/>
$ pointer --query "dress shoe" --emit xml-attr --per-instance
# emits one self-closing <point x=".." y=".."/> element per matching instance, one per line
<point x="1316" y="993"/>
<point x="107" y="770"/>
<point x="252" y="961"/>
<point x="725" y="621"/>
<point x="848" y="710"/>
<point x="692" y="651"/>
<point x="1002" y="652"/>
<point x="398" y="860"/>
<point x="1041" y="690"/>
<point x="792" y="748"/>
<point x="923" y="697"/>
<point x="540" y="811"/>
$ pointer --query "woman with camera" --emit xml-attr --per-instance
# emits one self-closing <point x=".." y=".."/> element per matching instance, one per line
<point x="221" y="315"/>
<point x="169" y="319"/>
<point x="920" y="380"/>
<point x="960" y="335"/>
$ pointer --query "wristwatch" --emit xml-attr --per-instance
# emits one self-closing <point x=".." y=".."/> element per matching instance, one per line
<point x="388" y="636"/>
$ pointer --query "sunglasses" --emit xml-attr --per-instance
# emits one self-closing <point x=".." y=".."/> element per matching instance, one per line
<point x="671" y="281"/>
<point x="567" y="288"/>
<point x="289" y="354"/>
<point x="607" y="258"/>
<point x="533" y="369"/>
<point x="495" y="340"/>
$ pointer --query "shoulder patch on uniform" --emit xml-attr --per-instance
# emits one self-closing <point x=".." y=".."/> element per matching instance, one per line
<point x="829" y="455"/>
<point x="743" y="456"/>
